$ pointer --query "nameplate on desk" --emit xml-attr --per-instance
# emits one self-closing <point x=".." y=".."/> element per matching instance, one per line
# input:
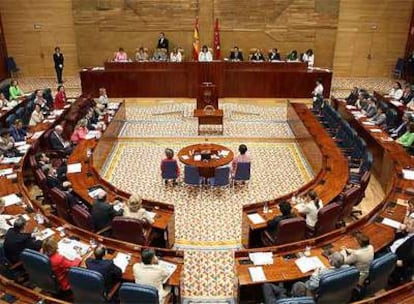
<point x="391" y="223"/>
<point x="74" y="168"/>
<point x="257" y="274"/>
<point x="408" y="174"/>
<point x="256" y="218"/>
<point x="306" y="264"/>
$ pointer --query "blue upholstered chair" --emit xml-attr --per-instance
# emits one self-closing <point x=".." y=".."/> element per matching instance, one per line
<point x="242" y="173"/>
<point x="131" y="293"/>
<point x="10" y="120"/>
<point x="20" y="113"/>
<point x="221" y="177"/>
<point x="298" y="300"/>
<point x="337" y="286"/>
<point x="37" y="265"/>
<point x="7" y="269"/>
<point x="192" y="176"/>
<point x="88" y="286"/>
<point x="379" y="271"/>
<point x="169" y="170"/>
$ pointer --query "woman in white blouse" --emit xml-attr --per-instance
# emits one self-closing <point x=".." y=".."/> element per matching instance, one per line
<point x="310" y="208"/>
<point x="175" y="56"/>
<point x="309" y="57"/>
<point x="37" y="116"/>
<point x="396" y="91"/>
<point x="135" y="209"/>
<point x="205" y="55"/>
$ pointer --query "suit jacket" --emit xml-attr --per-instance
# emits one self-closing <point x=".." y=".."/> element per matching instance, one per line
<point x="238" y="56"/>
<point x="15" y="242"/>
<point x="371" y="110"/>
<point x="53" y="181"/>
<point x="17" y="134"/>
<point x="103" y="213"/>
<point x="405" y="251"/>
<point x="108" y="269"/>
<point x="361" y="258"/>
<point x="274" y="56"/>
<point x="152" y="275"/>
<point x="55" y="142"/>
<point x="162" y="44"/>
<point x="58" y="59"/>
<point x="407" y="98"/>
<point x="257" y="57"/>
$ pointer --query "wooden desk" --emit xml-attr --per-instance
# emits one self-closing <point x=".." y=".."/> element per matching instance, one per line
<point x="206" y="168"/>
<point x="233" y="79"/>
<point x="209" y="118"/>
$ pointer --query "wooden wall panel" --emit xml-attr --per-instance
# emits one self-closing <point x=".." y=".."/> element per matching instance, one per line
<point x="371" y="36"/>
<point x="32" y="46"/>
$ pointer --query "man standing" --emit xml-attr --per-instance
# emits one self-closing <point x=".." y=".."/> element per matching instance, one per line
<point x="58" y="59"/>
<point x="162" y="42"/>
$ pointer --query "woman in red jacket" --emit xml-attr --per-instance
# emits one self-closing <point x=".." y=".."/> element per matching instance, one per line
<point x="60" y="264"/>
<point x="60" y="98"/>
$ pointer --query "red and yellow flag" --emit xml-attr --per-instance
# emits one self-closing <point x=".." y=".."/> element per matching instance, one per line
<point x="196" y="41"/>
<point x="216" y="42"/>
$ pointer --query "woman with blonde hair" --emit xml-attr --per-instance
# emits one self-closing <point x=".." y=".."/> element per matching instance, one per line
<point x="135" y="209"/>
<point x="80" y="131"/>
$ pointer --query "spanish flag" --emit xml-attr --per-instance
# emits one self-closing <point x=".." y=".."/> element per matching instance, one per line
<point x="196" y="41"/>
<point x="216" y="41"/>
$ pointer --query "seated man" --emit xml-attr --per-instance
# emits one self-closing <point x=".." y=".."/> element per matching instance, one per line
<point x="236" y="55"/>
<point x="110" y="272"/>
<point x="380" y="119"/>
<point x="336" y="260"/>
<point x="44" y="161"/>
<point x="52" y="179"/>
<point x="72" y="197"/>
<point x="274" y="55"/>
<point x="41" y="101"/>
<point x="243" y="157"/>
<point x="257" y="56"/>
<point x="57" y="142"/>
<point x="149" y="272"/>
<point x="103" y="212"/>
<point x="103" y="97"/>
<point x="16" y="240"/>
<point x="7" y="143"/>
<point x="169" y="157"/>
<point x="286" y="210"/>
<point x="17" y="131"/>
<point x="371" y="109"/>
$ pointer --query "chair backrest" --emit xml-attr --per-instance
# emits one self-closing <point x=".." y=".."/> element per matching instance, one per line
<point x="169" y="169"/>
<point x="242" y="171"/>
<point x="5" y="265"/>
<point x="191" y="175"/>
<point x="61" y="201"/>
<point x="131" y="293"/>
<point x="38" y="266"/>
<point x="41" y="179"/>
<point x="88" y="286"/>
<point x="392" y="117"/>
<point x="10" y="120"/>
<point x="337" y="286"/>
<point x="363" y="183"/>
<point x="222" y="176"/>
<point x="327" y="218"/>
<point x="351" y="197"/>
<point x="291" y="230"/>
<point x="379" y="271"/>
<point x="82" y="218"/>
<point x="122" y="227"/>
<point x="20" y="113"/>
<point x="298" y="300"/>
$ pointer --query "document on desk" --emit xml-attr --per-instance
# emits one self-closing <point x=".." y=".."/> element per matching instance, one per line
<point x="408" y="174"/>
<point x="368" y="123"/>
<point x="256" y="218"/>
<point x="37" y="134"/>
<point x="11" y="199"/>
<point x="23" y="148"/>
<point x="306" y="264"/>
<point x="7" y="171"/>
<point x="122" y="260"/>
<point x="391" y="223"/>
<point x="375" y="130"/>
<point x="11" y="160"/>
<point x="185" y="157"/>
<point x="350" y="107"/>
<point x="257" y="274"/>
<point x="197" y="157"/>
<point x="44" y="234"/>
<point x="261" y="258"/>
<point x="72" y="249"/>
<point x="74" y="168"/>
<point x="396" y="103"/>
<point x="93" y="134"/>
<point x="94" y="193"/>
<point x="170" y="267"/>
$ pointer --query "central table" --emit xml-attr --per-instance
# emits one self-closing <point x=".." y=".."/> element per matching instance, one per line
<point x="206" y="157"/>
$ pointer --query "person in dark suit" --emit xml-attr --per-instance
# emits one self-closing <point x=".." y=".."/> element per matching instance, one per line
<point x="286" y="210"/>
<point x="236" y="55"/>
<point x="402" y="127"/>
<point x="71" y="196"/>
<point x="17" y="132"/>
<point x="58" y="60"/>
<point x="352" y="97"/>
<point x="110" y="272"/>
<point x="43" y="161"/>
<point x="257" y="56"/>
<point x="103" y="212"/>
<point x="274" y="55"/>
<point x="57" y="142"/>
<point x="16" y="240"/>
<point x="408" y="94"/>
<point x="162" y="42"/>
<point x="403" y="248"/>
<point x="51" y="177"/>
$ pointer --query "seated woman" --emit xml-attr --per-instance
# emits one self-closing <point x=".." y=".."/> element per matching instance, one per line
<point x="175" y="56"/>
<point x="136" y="210"/>
<point x="80" y="132"/>
<point x="37" y="116"/>
<point x="257" y="56"/>
<point x="243" y="157"/>
<point x="407" y="139"/>
<point x="60" y="264"/>
<point x="309" y="206"/>
<point x="60" y="98"/>
<point x="141" y="54"/>
<point x="292" y="56"/>
<point x="205" y="55"/>
<point x="309" y="57"/>
<point x="120" y="56"/>
<point x="15" y="91"/>
<point x="396" y="91"/>
<point x="6" y="143"/>
<point x="169" y="157"/>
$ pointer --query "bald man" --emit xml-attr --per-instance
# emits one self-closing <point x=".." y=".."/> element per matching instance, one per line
<point x="103" y="212"/>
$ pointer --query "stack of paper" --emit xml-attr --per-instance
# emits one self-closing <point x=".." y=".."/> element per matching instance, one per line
<point x="7" y="171"/>
<point x="72" y="249"/>
<point x="408" y="174"/>
<point x="74" y="168"/>
<point x="11" y="199"/>
<point x="3" y="221"/>
<point x="391" y="223"/>
<point x="257" y="274"/>
<point x="44" y="234"/>
<point x="122" y="260"/>
<point x="261" y="258"/>
<point x="94" y="193"/>
<point x="170" y="267"/>
<point x="256" y="218"/>
<point x="368" y="123"/>
<point x="306" y="264"/>
<point x="11" y="160"/>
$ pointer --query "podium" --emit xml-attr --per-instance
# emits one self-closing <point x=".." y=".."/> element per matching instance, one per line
<point x="207" y="110"/>
<point x="207" y="96"/>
